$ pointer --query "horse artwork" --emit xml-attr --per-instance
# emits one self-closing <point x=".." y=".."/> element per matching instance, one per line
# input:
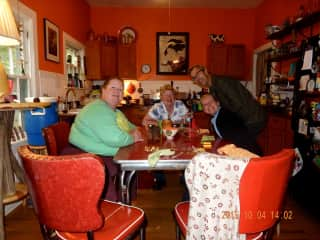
<point x="216" y="38"/>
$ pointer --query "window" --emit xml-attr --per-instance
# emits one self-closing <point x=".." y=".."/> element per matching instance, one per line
<point x="74" y="64"/>
<point x="20" y="61"/>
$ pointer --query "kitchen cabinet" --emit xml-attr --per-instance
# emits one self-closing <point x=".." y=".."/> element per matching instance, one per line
<point x="101" y="59"/>
<point x="93" y="63"/>
<point x="127" y="60"/>
<point x="109" y="60"/>
<point x="226" y="60"/>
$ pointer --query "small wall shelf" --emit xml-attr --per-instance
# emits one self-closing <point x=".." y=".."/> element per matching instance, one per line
<point x="308" y="20"/>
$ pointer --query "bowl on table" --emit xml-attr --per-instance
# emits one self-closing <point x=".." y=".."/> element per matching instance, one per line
<point x="170" y="132"/>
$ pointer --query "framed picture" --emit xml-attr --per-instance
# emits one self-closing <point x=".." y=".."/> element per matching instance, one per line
<point x="172" y="53"/>
<point x="51" y="40"/>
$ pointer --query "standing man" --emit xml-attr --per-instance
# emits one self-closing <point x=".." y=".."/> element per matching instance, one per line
<point x="233" y="96"/>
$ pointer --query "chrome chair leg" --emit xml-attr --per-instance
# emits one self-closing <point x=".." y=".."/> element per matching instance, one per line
<point x="142" y="233"/>
<point x="178" y="233"/>
<point x="90" y="235"/>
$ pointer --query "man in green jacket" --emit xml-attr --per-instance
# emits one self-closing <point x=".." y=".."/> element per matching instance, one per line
<point x="232" y="96"/>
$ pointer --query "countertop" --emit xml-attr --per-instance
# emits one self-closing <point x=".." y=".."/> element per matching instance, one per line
<point x="22" y="106"/>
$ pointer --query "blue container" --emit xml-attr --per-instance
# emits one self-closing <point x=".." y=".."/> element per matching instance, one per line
<point x="36" y="119"/>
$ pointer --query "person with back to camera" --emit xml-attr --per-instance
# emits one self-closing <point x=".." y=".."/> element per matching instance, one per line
<point x="168" y="108"/>
<point x="101" y="128"/>
<point x="233" y="96"/>
<point x="227" y="125"/>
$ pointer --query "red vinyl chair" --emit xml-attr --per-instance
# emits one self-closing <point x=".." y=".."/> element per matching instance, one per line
<point x="66" y="190"/>
<point x="56" y="137"/>
<point x="262" y="192"/>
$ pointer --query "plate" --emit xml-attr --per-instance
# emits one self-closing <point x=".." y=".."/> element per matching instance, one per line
<point x="310" y="85"/>
<point x="127" y="35"/>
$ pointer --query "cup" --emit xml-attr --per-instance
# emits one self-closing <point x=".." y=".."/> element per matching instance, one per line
<point x="166" y="123"/>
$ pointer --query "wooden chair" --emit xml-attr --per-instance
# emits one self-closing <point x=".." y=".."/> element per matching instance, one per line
<point x="66" y="191"/>
<point x="56" y="137"/>
<point x="261" y="192"/>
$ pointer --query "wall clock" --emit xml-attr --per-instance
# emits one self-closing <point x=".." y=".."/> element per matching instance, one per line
<point x="145" y="68"/>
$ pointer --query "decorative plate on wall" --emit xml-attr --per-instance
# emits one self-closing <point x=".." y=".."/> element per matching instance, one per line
<point x="127" y="35"/>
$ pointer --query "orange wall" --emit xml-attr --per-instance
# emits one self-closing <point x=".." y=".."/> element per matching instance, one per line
<point x="244" y="26"/>
<point x="237" y="26"/>
<point x="274" y="12"/>
<point x="71" y="16"/>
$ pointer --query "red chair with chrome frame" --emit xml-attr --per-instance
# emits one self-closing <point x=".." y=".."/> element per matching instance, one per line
<point x="56" y="137"/>
<point x="262" y="191"/>
<point x="66" y="191"/>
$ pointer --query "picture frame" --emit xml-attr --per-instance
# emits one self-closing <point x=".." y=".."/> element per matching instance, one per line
<point x="172" y="53"/>
<point x="51" y="40"/>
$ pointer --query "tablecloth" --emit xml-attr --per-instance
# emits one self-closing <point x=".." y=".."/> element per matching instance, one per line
<point x="213" y="183"/>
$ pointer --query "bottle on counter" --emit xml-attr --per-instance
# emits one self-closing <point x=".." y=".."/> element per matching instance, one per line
<point x="263" y="99"/>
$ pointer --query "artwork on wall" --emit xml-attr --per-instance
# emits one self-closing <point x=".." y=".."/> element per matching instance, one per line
<point x="172" y="53"/>
<point x="51" y="39"/>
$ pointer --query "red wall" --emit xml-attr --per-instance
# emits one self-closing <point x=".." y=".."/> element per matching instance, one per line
<point x="71" y="16"/>
<point x="237" y="26"/>
<point x="275" y="12"/>
<point x="244" y="26"/>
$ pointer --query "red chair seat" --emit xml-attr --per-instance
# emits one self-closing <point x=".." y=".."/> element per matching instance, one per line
<point x="120" y="220"/>
<point x="181" y="211"/>
<point x="66" y="191"/>
<point x="262" y="186"/>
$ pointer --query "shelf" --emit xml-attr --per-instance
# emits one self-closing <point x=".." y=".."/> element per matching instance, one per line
<point x="280" y="58"/>
<point x="305" y="22"/>
<point x="313" y="94"/>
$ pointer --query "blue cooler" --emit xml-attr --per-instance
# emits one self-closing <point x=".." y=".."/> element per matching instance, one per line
<point x="38" y="118"/>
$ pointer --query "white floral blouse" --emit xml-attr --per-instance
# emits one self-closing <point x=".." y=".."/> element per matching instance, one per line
<point x="159" y="112"/>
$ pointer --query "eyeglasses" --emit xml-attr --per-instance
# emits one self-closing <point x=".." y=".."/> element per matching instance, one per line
<point x="196" y="75"/>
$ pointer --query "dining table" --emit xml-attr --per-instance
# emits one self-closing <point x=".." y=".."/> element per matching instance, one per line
<point x="184" y="146"/>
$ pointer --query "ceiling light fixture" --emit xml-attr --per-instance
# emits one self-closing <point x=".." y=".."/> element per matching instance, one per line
<point x="169" y="13"/>
<point x="9" y="35"/>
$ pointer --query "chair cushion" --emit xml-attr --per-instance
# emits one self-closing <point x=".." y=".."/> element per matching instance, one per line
<point x="181" y="211"/>
<point x="120" y="221"/>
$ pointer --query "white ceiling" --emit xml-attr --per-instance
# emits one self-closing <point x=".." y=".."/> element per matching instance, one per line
<point x="177" y="3"/>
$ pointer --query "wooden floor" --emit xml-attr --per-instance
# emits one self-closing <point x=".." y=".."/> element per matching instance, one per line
<point x="22" y="224"/>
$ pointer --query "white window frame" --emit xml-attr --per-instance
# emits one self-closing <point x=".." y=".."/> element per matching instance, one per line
<point x="69" y="41"/>
<point x="29" y="17"/>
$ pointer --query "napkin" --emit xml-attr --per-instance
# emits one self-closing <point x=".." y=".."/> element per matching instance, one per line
<point x="154" y="157"/>
<point x="207" y="138"/>
<point x="122" y="121"/>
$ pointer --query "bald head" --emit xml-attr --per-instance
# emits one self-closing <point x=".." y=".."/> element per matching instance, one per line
<point x="210" y="104"/>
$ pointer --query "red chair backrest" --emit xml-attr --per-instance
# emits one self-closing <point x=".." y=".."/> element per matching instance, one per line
<point x="262" y="190"/>
<point x="65" y="190"/>
<point x="56" y="137"/>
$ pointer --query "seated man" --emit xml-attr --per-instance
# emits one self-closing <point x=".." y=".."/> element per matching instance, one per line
<point x="228" y="125"/>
